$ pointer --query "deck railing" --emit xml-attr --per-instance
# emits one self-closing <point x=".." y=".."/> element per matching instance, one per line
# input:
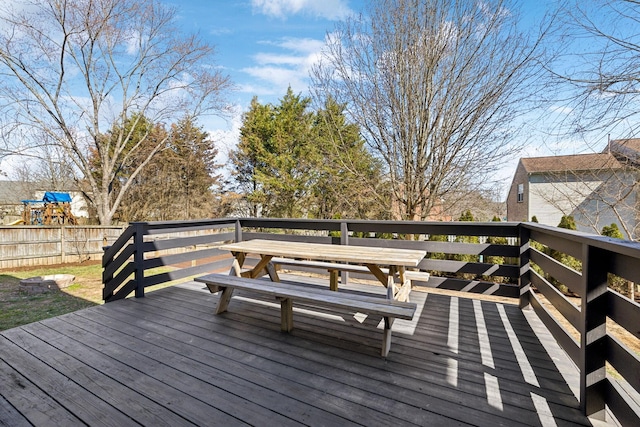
<point x="504" y="259"/>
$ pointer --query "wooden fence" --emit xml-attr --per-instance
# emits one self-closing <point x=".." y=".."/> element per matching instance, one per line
<point x="26" y="246"/>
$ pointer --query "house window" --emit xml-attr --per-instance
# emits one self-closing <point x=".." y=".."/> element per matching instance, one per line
<point x="520" y="193"/>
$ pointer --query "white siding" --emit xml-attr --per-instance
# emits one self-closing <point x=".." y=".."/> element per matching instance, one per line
<point x="549" y="201"/>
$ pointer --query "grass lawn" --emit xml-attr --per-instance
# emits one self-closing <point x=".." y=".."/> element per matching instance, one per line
<point x="18" y="307"/>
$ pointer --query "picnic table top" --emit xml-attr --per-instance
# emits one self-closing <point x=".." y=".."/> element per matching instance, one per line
<point x="324" y="252"/>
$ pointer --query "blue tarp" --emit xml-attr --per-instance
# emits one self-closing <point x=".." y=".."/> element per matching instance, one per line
<point x="51" y="197"/>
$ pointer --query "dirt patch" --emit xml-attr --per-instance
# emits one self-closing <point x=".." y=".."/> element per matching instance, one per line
<point x="52" y="266"/>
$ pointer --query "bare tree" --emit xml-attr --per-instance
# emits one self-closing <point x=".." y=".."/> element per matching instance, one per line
<point x="597" y="75"/>
<point x="79" y="69"/>
<point x="437" y="87"/>
<point x="595" y="83"/>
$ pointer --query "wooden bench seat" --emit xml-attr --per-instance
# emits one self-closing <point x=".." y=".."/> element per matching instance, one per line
<point x="334" y="268"/>
<point x="286" y="293"/>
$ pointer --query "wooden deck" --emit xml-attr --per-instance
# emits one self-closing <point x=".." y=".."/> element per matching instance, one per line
<point x="166" y="359"/>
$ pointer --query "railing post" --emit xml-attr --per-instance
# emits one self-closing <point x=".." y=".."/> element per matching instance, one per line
<point x="524" y="276"/>
<point x="344" y="240"/>
<point x="593" y="311"/>
<point x="138" y="257"/>
<point x="238" y="230"/>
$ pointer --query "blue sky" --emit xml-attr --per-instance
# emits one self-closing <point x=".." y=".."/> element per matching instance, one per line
<point x="267" y="45"/>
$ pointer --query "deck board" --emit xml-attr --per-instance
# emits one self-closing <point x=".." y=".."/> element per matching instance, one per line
<point x="167" y="359"/>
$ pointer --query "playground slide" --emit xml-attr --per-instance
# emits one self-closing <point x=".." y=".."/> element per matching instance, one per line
<point x="17" y="222"/>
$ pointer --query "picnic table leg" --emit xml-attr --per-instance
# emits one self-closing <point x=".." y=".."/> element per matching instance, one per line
<point x="271" y="270"/>
<point x="385" y="279"/>
<point x="263" y="264"/>
<point x="236" y="268"/>
<point x="391" y="282"/>
<point x="333" y="279"/>
<point x="386" y="339"/>
<point x="225" y="297"/>
<point x="286" y="314"/>
<point x="405" y="286"/>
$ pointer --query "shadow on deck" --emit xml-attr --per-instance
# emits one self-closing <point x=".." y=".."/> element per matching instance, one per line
<point x="166" y="359"/>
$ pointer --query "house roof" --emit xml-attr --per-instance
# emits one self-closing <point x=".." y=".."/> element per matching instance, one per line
<point x="12" y="192"/>
<point x="625" y="149"/>
<point x="632" y="144"/>
<point x="576" y="162"/>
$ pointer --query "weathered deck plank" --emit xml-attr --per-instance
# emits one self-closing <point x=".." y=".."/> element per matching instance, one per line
<point x="166" y="359"/>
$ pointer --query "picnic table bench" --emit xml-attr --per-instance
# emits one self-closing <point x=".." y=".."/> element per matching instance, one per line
<point x="287" y="293"/>
<point x="334" y="268"/>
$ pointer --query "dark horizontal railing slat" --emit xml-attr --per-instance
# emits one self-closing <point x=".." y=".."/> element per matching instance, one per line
<point x="457" y="248"/>
<point x="474" y="286"/>
<point x="624" y="312"/>
<point x="502" y="229"/>
<point x="567" y="276"/>
<point x="119" y="279"/>
<point x="621" y="404"/>
<point x="124" y="291"/>
<point x="119" y="260"/>
<point x="181" y="242"/>
<point x="557" y="299"/>
<point x="624" y="361"/>
<point x="476" y="268"/>
<point x="625" y="266"/>
<point x="169" y="276"/>
<point x="184" y="257"/>
<point x="169" y="227"/>
<point x="112" y="250"/>
<point x="249" y="235"/>
<point x="566" y="341"/>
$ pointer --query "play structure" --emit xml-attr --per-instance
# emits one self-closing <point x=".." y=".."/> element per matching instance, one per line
<point x="53" y="209"/>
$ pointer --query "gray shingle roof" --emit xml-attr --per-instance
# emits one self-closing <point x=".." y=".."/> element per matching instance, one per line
<point x="13" y="192"/>
<point x="576" y="162"/>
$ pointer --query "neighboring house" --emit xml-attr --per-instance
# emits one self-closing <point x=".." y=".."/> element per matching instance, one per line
<point x="13" y="192"/>
<point x="596" y="189"/>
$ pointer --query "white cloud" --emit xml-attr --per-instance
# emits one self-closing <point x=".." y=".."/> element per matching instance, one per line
<point x="225" y="133"/>
<point x="279" y="78"/>
<point x="329" y="9"/>
<point x="288" y="67"/>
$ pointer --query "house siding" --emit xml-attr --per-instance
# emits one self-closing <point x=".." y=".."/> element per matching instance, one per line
<point x="518" y="211"/>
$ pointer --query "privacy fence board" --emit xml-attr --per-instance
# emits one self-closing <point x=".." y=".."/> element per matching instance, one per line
<point x="24" y="246"/>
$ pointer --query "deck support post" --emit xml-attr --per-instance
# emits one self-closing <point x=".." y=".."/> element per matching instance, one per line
<point x="344" y="240"/>
<point x="524" y="275"/>
<point x="138" y="257"/>
<point x="593" y="336"/>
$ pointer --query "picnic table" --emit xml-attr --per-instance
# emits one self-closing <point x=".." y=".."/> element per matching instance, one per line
<point x="386" y="264"/>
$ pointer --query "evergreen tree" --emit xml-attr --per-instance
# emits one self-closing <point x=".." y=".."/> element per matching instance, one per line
<point x="291" y="162"/>
<point x="180" y="181"/>
<point x="612" y="231"/>
<point x="567" y="222"/>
